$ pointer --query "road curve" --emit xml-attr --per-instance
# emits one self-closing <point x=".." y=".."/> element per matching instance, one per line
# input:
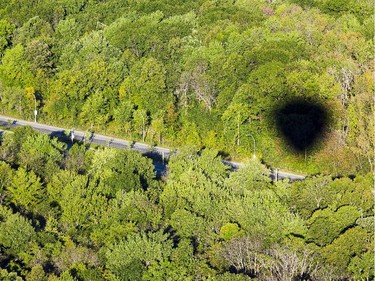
<point x="161" y="153"/>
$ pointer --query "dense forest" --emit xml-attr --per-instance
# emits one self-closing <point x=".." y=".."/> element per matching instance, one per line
<point x="196" y="73"/>
<point x="86" y="214"/>
<point x="205" y="77"/>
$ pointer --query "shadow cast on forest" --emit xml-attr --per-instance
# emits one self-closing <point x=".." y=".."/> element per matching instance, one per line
<point x="302" y="124"/>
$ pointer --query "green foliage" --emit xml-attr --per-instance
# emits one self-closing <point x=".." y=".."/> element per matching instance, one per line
<point x="36" y="274"/>
<point x="39" y="56"/>
<point x="310" y="195"/>
<point x="74" y="198"/>
<point x="41" y="155"/>
<point x="16" y="233"/>
<point x="174" y="73"/>
<point x="208" y="163"/>
<point x="115" y="170"/>
<point x="6" y="175"/>
<point x="259" y="213"/>
<point x="77" y="159"/>
<point x="325" y="225"/>
<point x="133" y="32"/>
<point x="106" y="216"/>
<point x="229" y="231"/>
<point x="215" y="69"/>
<point x="125" y="215"/>
<point x="188" y="224"/>
<point x="252" y="176"/>
<point x="6" y="30"/>
<point x="12" y="143"/>
<point x="15" y="69"/>
<point x="9" y="276"/>
<point x="321" y="192"/>
<point x="129" y="258"/>
<point x="349" y="245"/>
<point x="235" y="116"/>
<point x="196" y="184"/>
<point x="26" y="190"/>
<point x="362" y="266"/>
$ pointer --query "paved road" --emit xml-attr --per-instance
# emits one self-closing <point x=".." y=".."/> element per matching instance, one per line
<point x="159" y="154"/>
<point x="75" y="135"/>
<point x="274" y="174"/>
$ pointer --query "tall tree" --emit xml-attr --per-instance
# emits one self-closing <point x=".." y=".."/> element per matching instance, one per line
<point x="26" y="190"/>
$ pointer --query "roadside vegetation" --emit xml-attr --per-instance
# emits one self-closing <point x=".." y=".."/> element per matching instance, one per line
<point x="202" y="73"/>
<point x="82" y="214"/>
<point x="204" y="77"/>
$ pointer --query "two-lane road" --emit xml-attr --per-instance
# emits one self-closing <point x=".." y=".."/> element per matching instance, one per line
<point x="76" y="135"/>
<point x="157" y="153"/>
<point x="275" y="174"/>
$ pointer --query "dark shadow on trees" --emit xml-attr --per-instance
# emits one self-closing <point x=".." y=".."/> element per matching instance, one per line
<point x="172" y="235"/>
<point x="59" y="134"/>
<point x="302" y="123"/>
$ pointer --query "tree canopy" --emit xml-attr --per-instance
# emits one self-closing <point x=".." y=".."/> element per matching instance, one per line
<point x="206" y="77"/>
<point x="103" y="214"/>
<point x="201" y="73"/>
